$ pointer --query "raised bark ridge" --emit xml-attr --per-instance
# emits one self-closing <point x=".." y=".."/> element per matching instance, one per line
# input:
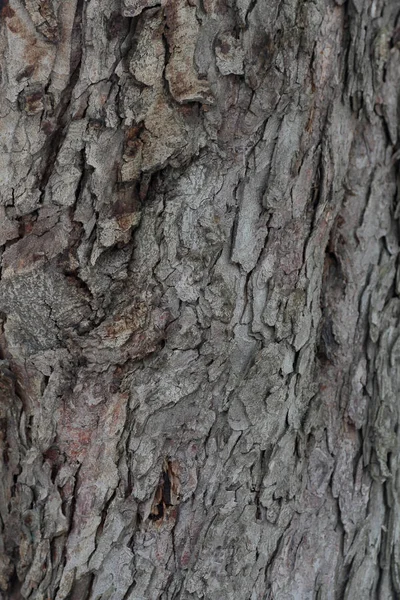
<point x="200" y="299"/>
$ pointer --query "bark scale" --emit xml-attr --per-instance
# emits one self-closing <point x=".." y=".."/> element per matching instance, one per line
<point x="199" y="299"/>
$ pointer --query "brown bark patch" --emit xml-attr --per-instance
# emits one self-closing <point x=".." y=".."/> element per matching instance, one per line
<point x="6" y="10"/>
<point x="167" y="494"/>
<point x="25" y="73"/>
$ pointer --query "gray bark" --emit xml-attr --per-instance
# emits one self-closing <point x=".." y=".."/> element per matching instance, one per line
<point x="199" y="296"/>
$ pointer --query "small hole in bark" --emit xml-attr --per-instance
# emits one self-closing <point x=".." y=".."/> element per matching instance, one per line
<point x="167" y="494"/>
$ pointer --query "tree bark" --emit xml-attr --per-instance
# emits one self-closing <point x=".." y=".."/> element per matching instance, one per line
<point x="199" y="296"/>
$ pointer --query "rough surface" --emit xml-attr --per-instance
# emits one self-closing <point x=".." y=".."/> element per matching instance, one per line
<point x="200" y="300"/>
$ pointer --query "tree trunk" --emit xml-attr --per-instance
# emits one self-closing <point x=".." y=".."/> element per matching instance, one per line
<point x="199" y="296"/>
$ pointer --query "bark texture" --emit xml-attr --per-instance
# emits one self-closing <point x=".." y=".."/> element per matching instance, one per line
<point x="200" y="300"/>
